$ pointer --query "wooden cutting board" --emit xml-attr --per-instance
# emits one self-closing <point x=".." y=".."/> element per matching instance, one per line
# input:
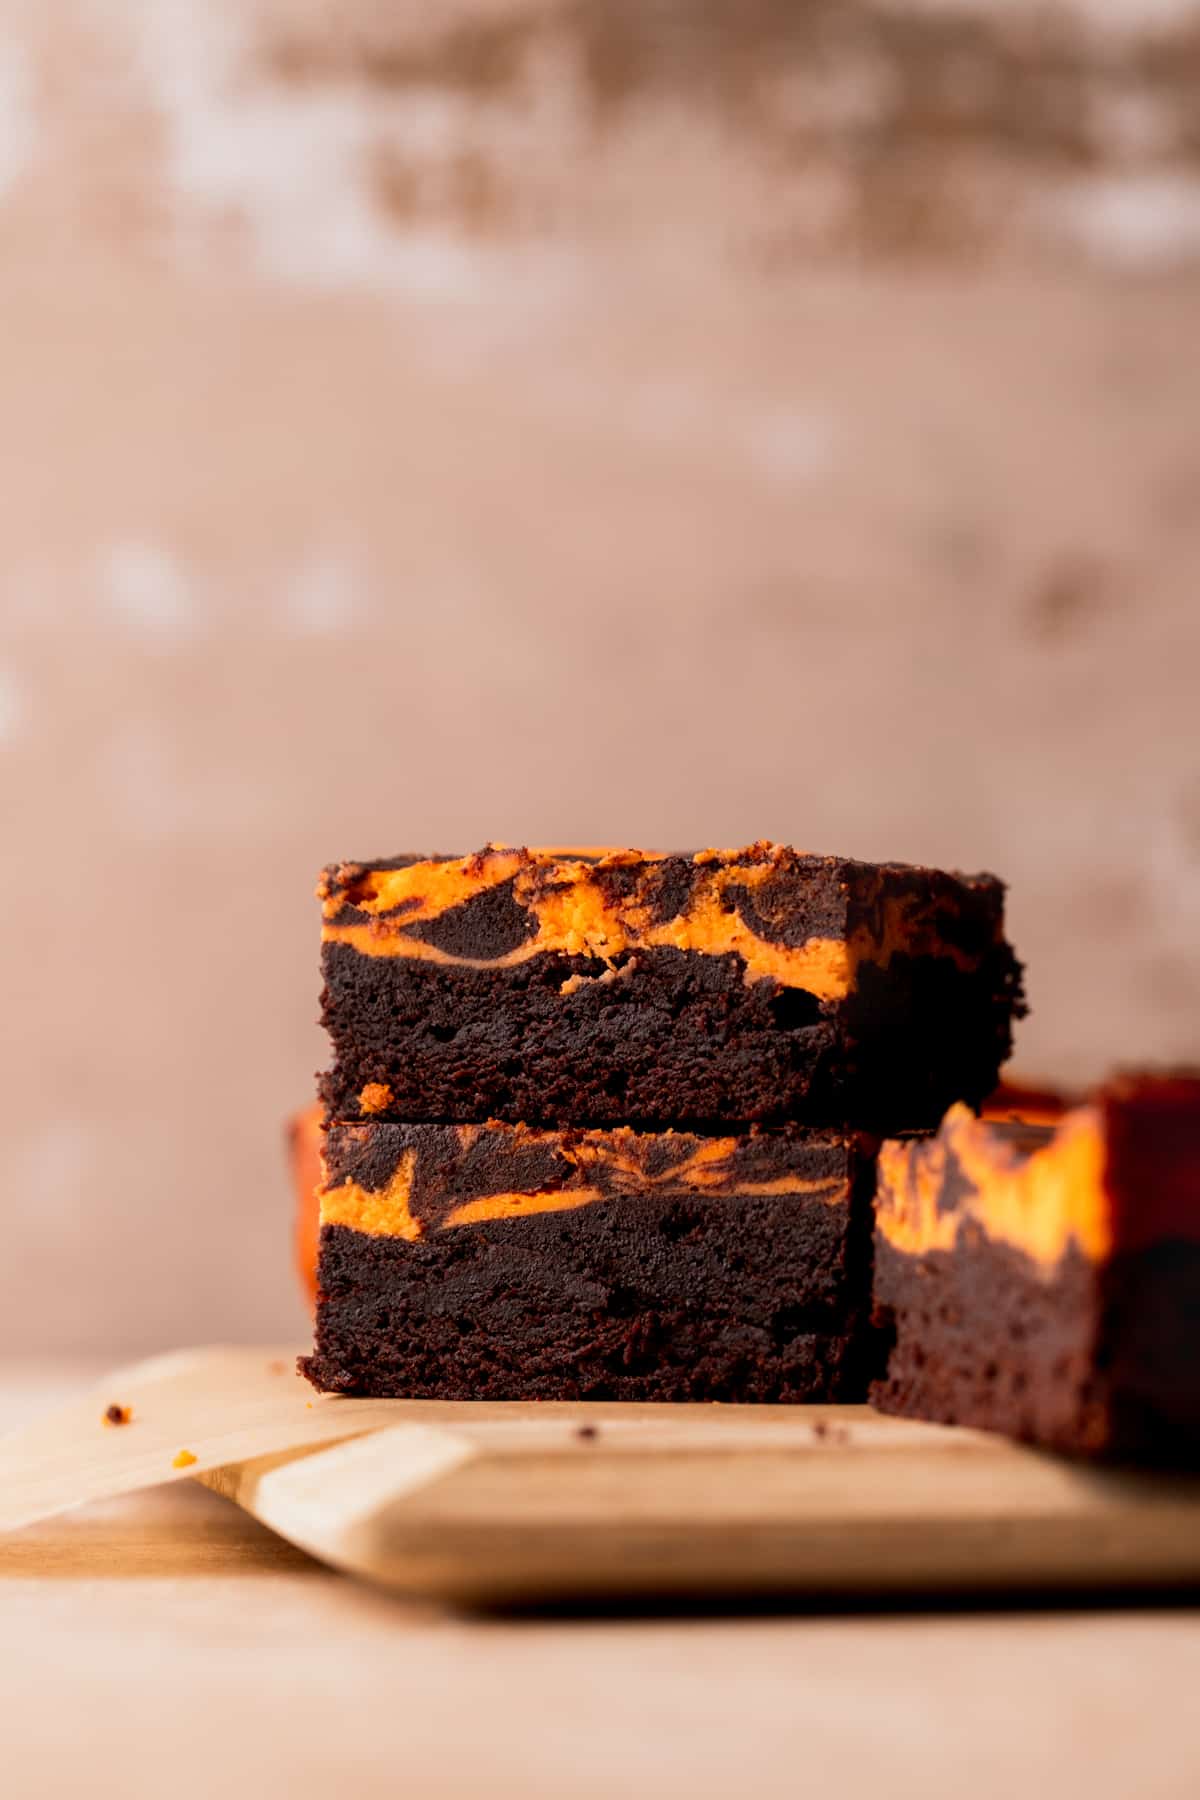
<point x="515" y="1503"/>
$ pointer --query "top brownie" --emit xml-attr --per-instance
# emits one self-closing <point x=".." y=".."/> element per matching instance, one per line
<point x="563" y="987"/>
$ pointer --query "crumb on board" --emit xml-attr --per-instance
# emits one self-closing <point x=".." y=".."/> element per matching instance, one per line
<point x="830" y="1434"/>
<point x="587" y="1431"/>
<point x="117" y="1415"/>
<point x="183" y="1459"/>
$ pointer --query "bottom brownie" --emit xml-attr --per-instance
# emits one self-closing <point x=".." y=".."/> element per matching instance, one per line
<point x="491" y="1262"/>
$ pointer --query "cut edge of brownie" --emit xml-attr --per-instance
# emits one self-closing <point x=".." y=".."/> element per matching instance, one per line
<point x="668" y="1037"/>
<point x="442" y="1321"/>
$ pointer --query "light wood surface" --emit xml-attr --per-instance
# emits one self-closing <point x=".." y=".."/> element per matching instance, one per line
<point x="511" y="1503"/>
<point x="164" y="1643"/>
<point x="552" y="1504"/>
<point x="189" y="1410"/>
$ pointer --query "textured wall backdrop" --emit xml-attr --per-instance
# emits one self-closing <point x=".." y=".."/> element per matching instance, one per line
<point x="569" y="420"/>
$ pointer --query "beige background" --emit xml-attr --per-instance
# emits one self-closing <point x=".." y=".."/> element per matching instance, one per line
<point x="576" y="420"/>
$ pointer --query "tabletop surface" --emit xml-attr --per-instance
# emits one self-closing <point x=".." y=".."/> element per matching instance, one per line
<point x="166" y="1643"/>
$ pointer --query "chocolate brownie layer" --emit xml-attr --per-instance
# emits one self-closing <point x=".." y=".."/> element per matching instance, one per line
<point x="493" y="1262"/>
<point x="726" y="987"/>
<point x="1045" y="1282"/>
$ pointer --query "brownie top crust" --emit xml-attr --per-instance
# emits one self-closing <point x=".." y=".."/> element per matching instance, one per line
<point x="1117" y="1173"/>
<point x="409" y="1181"/>
<point x="803" y="921"/>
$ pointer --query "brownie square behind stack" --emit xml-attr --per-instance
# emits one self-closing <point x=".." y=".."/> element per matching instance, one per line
<point x="602" y="1124"/>
<point x="1044" y="1281"/>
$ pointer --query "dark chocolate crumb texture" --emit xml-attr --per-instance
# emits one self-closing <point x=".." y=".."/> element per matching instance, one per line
<point x="506" y="1262"/>
<point x="1045" y="1281"/>
<point x="606" y="987"/>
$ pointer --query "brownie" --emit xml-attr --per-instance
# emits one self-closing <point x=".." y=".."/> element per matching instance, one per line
<point x="505" y="1262"/>
<point x="706" y="990"/>
<point x="1044" y="1281"/>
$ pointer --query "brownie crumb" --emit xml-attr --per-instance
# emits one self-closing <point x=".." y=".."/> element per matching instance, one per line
<point x="183" y="1459"/>
<point x="586" y="1431"/>
<point x="826" y="1433"/>
<point x="117" y="1415"/>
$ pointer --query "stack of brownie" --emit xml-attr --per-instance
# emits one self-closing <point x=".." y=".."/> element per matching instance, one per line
<point x="603" y="1124"/>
